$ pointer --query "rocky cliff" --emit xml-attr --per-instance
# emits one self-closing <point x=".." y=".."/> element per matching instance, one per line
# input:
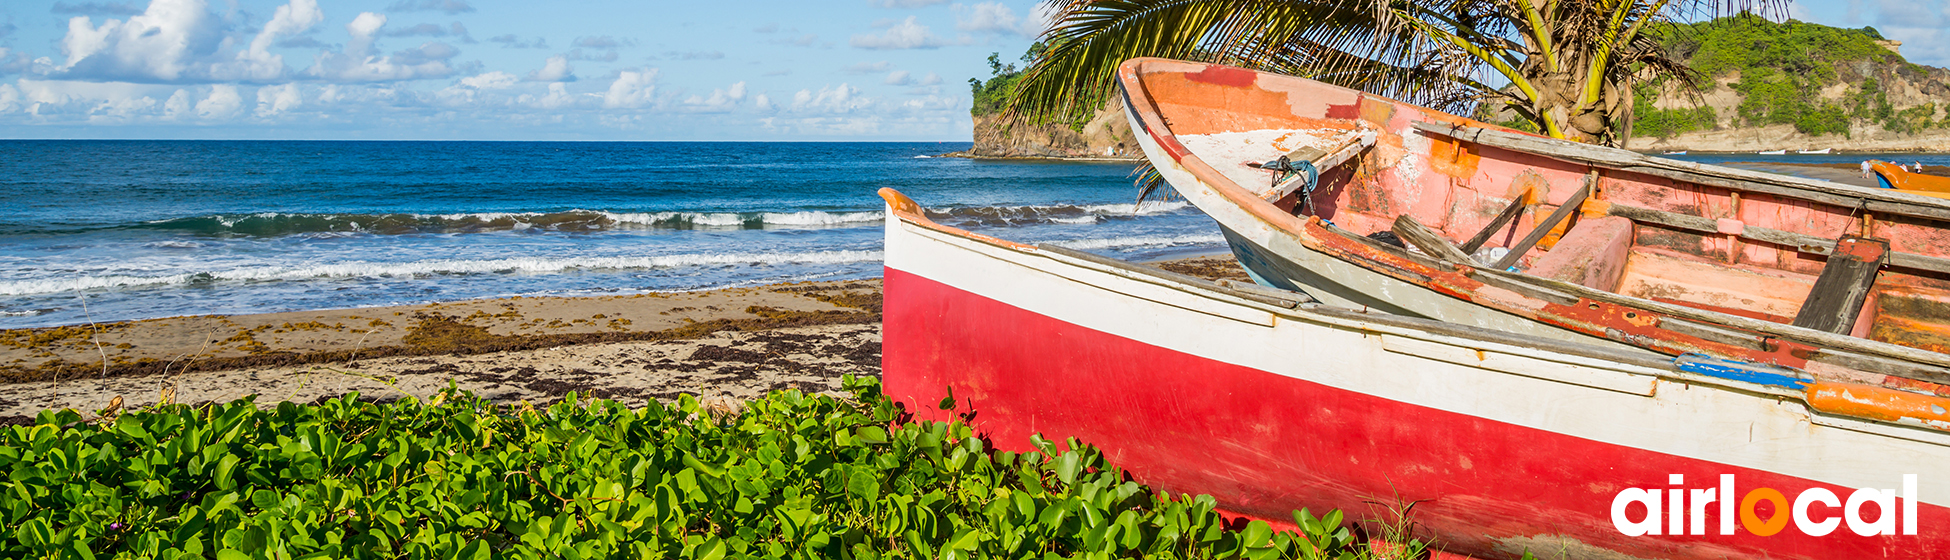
<point x="1107" y="135"/>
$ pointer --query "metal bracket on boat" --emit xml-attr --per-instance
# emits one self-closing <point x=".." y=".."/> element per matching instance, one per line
<point x="1312" y="161"/>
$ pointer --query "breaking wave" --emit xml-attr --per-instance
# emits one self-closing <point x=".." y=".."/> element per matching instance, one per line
<point x="273" y="224"/>
<point x="358" y="269"/>
<point x="1054" y="214"/>
<point x="1143" y="241"/>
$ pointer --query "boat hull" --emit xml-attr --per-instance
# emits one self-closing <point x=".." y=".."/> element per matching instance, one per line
<point x="1506" y="444"/>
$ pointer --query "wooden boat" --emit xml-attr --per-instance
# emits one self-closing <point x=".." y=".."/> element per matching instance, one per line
<point x="1604" y="246"/>
<point x="1271" y="402"/>
<point x="1893" y="176"/>
<point x="1772" y="152"/>
<point x="1815" y="152"/>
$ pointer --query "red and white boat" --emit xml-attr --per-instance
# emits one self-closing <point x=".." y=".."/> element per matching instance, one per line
<point x="1599" y="245"/>
<point x="1509" y="443"/>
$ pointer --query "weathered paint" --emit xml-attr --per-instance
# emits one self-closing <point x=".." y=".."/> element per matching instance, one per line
<point x="1326" y="412"/>
<point x="1880" y="403"/>
<point x="1408" y="172"/>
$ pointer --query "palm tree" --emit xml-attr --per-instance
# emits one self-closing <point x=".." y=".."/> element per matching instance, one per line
<point x="1568" y="64"/>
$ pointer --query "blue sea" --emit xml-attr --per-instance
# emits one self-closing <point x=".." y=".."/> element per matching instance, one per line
<point x="115" y="230"/>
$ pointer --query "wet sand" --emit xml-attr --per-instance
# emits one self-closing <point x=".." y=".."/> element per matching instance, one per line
<point x="736" y="343"/>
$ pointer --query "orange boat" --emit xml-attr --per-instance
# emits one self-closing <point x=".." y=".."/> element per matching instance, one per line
<point x="1892" y="176"/>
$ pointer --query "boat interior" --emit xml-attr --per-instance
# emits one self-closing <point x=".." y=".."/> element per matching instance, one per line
<point x="1738" y="246"/>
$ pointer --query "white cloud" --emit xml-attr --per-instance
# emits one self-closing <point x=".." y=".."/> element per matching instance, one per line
<point x="989" y="17"/>
<point x="178" y="105"/>
<point x="632" y="89"/>
<point x="222" y="103"/>
<point x="899" y="78"/>
<point x="903" y="35"/>
<point x="257" y="62"/>
<point x="721" y="100"/>
<point x="842" y="99"/>
<point x="556" y="69"/>
<point x="272" y="100"/>
<point x="9" y="98"/>
<point x="163" y="44"/>
<point x="762" y="102"/>
<point x="930" y="79"/>
<point x="360" y="61"/>
<point x="558" y="98"/>
<point x="491" y="80"/>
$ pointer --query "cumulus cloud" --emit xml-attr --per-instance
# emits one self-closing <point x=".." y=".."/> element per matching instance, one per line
<point x="993" y="18"/>
<point x="258" y="62"/>
<point x="555" y="69"/>
<point x="124" y="9"/>
<point x="272" y="100"/>
<point x="222" y="103"/>
<point x="448" y="6"/>
<point x="557" y="98"/>
<point x="163" y="44"/>
<point x="359" y="62"/>
<point x="905" y="34"/>
<point x="632" y="89"/>
<point x="721" y="100"/>
<point x="842" y="99"/>
<point x="899" y="78"/>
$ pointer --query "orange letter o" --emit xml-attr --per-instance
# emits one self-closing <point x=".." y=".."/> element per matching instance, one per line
<point x="1752" y="521"/>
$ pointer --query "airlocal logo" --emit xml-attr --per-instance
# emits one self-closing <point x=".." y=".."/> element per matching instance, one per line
<point x="1685" y="510"/>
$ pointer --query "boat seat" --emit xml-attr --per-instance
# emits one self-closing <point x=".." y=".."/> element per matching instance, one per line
<point x="1590" y="255"/>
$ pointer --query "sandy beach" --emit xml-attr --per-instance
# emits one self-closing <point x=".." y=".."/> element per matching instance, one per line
<point x="736" y="343"/>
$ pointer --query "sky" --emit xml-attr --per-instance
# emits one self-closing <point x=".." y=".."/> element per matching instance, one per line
<point x="562" y="70"/>
<point x="500" y="70"/>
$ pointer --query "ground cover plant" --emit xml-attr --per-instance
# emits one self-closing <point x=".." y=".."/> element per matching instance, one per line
<point x="455" y="476"/>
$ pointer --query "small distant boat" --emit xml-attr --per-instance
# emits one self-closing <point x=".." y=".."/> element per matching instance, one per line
<point x="1893" y="176"/>
<point x="1773" y="153"/>
<point x="1678" y="153"/>
<point x="1816" y="152"/>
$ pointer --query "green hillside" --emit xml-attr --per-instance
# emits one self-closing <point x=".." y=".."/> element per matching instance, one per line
<point x="1780" y="71"/>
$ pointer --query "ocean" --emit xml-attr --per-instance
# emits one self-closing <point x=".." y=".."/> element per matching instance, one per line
<point x="118" y="230"/>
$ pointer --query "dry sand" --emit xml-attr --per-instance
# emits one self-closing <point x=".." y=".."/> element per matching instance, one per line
<point x="737" y="343"/>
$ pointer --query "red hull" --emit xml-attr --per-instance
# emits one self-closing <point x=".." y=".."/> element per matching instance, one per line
<point x="1265" y="444"/>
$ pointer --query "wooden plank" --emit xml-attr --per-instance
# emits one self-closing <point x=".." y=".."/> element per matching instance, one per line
<point x="1502" y="218"/>
<point x="1412" y="231"/>
<point x="1800" y="242"/>
<point x="1839" y="292"/>
<point x="1885" y="201"/>
<point x="1788" y="332"/>
<point x="1550" y="223"/>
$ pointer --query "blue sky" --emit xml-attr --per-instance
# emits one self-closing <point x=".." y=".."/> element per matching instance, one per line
<point x="566" y="70"/>
<point x="502" y="70"/>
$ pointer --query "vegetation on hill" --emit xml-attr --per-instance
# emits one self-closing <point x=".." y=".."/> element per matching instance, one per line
<point x="1780" y="70"/>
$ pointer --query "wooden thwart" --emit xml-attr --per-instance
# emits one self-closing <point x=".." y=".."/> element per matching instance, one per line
<point x="1502" y="218"/>
<point x="1544" y="228"/>
<point x="1430" y="242"/>
<point x="1837" y="297"/>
